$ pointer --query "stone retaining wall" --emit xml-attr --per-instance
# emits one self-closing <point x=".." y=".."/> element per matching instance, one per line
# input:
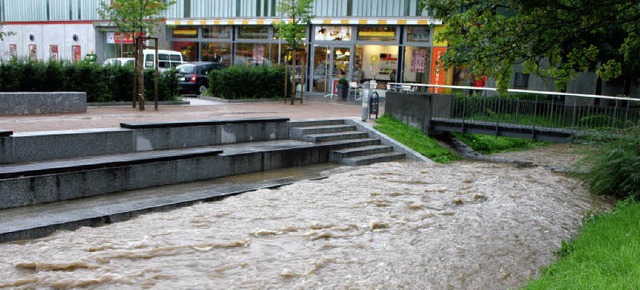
<point x="26" y="103"/>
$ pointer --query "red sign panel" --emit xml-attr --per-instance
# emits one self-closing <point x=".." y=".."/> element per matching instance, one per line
<point x="438" y="73"/>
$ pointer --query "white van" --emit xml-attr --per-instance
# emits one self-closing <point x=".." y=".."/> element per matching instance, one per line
<point x="166" y="59"/>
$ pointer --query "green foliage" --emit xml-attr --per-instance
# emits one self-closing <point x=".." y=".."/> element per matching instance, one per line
<point x="553" y="38"/>
<point x="101" y="83"/>
<point x="414" y="139"/>
<point x="247" y="82"/>
<point x="343" y="82"/>
<point x="603" y="256"/>
<point x="134" y="15"/>
<point x="487" y="144"/>
<point x="293" y="30"/>
<point x="613" y="168"/>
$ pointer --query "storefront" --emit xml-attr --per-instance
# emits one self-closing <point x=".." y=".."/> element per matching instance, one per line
<point x="357" y="50"/>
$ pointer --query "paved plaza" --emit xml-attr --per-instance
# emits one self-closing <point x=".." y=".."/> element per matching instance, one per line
<point x="197" y="109"/>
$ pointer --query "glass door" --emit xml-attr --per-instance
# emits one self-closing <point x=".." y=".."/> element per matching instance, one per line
<point x="330" y="64"/>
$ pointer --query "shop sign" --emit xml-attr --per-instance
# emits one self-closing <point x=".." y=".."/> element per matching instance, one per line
<point x="438" y="74"/>
<point x="121" y="37"/>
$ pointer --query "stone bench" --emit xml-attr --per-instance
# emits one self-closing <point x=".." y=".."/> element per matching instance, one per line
<point x="27" y="103"/>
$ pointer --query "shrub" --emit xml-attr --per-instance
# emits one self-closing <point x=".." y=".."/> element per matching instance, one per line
<point x="613" y="167"/>
<point x="247" y="82"/>
<point x="487" y="144"/>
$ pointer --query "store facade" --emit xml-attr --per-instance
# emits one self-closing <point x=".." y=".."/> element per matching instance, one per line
<point x="389" y="50"/>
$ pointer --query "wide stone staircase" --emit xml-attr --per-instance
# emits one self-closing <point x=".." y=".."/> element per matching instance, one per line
<point x="355" y="147"/>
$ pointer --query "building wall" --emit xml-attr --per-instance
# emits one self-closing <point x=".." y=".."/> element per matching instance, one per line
<point x="43" y="35"/>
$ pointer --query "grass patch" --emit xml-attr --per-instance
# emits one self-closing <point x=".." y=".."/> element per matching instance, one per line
<point x="487" y="144"/>
<point x="605" y="255"/>
<point x="414" y="139"/>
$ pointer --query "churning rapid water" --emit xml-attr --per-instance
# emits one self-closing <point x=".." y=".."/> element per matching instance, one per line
<point x="468" y="225"/>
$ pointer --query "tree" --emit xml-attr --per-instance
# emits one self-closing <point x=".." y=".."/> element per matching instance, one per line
<point x="296" y="16"/>
<point x="551" y="38"/>
<point x="135" y="16"/>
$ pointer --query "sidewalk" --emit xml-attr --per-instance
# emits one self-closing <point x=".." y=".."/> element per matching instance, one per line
<point x="313" y="107"/>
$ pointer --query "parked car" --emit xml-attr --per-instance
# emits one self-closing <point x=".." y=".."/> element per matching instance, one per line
<point x="193" y="77"/>
<point x="166" y="59"/>
<point x="120" y="61"/>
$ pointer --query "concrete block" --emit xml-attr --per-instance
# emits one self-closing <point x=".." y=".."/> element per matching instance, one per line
<point x="252" y="132"/>
<point x="174" y="137"/>
<point x="7" y="153"/>
<point x="189" y="170"/>
<point x="25" y="191"/>
<point x="152" y="174"/>
<point x="25" y="103"/>
<point x="37" y="146"/>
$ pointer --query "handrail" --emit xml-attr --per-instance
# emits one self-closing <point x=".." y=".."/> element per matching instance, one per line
<point x="518" y="91"/>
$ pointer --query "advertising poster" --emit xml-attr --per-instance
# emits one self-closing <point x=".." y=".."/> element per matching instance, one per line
<point x="13" y="50"/>
<point x="76" y="52"/>
<point x="258" y="53"/>
<point x="333" y="33"/>
<point x="53" y="52"/>
<point x="418" y="60"/>
<point x="33" y="52"/>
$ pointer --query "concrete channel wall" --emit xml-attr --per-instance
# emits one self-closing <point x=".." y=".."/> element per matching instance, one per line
<point x="132" y="137"/>
<point x="49" y="166"/>
<point x="23" y="103"/>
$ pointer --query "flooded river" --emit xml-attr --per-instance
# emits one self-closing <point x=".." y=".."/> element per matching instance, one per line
<point x="468" y="225"/>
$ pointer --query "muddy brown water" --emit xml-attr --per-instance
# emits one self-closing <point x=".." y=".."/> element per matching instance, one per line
<point x="467" y="225"/>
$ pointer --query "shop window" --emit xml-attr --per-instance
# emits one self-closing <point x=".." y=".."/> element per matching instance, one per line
<point x="376" y="33"/>
<point x="252" y="54"/>
<point x="219" y="32"/>
<point x="216" y="52"/>
<point x="253" y="32"/>
<point x="418" y="33"/>
<point x="185" y="32"/>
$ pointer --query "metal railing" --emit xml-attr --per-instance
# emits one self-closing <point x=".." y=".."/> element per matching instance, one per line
<point x="557" y="110"/>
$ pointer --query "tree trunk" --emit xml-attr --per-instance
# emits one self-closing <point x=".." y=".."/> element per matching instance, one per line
<point x="286" y="80"/>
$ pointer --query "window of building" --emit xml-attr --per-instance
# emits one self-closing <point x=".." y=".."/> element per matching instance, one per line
<point x="253" y="32"/>
<point x="418" y="33"/>
<point x="212" y="51"/>
<point x="219" y="32"/>
<point x="253" y="54"/>
<point x="521" y="81"/>
<point x="377" y="33"/>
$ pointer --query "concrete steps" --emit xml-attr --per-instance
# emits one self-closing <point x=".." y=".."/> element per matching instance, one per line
<point x="354" y="147"/>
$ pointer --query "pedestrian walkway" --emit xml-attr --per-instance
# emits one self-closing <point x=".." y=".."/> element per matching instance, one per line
<point x="313" y="107"/>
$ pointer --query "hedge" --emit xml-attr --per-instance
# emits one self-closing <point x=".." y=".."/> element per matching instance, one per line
<point x="101" y="83"/>
<point x="247" y="82"/>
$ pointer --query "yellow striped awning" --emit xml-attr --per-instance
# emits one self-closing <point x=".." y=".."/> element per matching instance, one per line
<point x="315" y="21"/>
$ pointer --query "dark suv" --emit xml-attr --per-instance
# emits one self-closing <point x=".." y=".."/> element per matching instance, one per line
<point x="193" y="76"/>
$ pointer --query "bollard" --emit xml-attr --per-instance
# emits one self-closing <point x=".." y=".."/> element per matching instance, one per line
<point x="365" y="100"/>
